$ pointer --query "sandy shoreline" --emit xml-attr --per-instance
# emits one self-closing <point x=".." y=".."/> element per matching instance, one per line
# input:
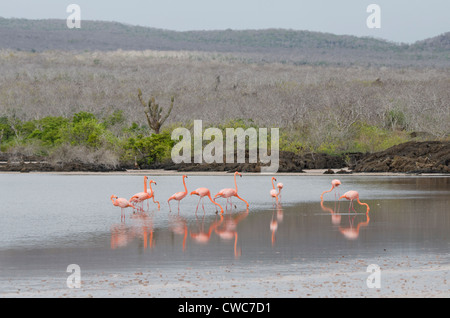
<point x="401" y="276"/>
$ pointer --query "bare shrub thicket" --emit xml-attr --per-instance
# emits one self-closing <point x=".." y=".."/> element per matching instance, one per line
<point x="324" y="100"/>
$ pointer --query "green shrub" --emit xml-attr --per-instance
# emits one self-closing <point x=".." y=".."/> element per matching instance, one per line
<point x="47" y="130"/>
<point x="369" y="138"/>
<point x="151" y="149"/>
<point x="6" y="131"/>
<point x="85" y="130"/>
<point x="116" y="118"/>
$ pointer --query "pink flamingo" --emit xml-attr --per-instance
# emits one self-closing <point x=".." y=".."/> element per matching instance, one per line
<point x="353" y="195"/>
<point x="279" y="186"/>
<point x="152" y="193"/>
<point x="123" y="203"/>
<point x="179" y="195"/>
<point x="204" y="192"/>
<point x="334" y="184"/>
<point x="273" y="192"/>
<point x="140" y="197"/>
<point x="229" y="192"/>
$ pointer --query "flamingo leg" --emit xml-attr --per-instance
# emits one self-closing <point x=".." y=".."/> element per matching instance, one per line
<point x="153" y="197"/>
<point x="198" y="204"/>
<point x="353" y="208"/>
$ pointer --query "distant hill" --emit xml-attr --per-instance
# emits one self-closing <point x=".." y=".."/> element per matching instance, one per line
<point x="280" y="45"/>
<point x="438" y="43"/>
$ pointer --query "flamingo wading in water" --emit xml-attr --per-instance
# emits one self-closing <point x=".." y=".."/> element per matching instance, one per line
<point x="354" y="195"/>
<point x="334" y="184"/>
<point x="140" y="197"/>
<point x="123" y="203"/>
<point x="179" y="195"/>
<point x="279" y="186"/>
<point x="204" y="192"/>
<point x="152" y="193"/>
<point x="230" y="192"/>
<point x="273" y="192"/>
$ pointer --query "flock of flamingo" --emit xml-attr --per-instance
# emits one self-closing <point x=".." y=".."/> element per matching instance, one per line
<point x="137" y="200"/>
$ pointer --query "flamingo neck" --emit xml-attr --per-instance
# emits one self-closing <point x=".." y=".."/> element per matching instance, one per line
<point x="184" y="183"/>
<point x="332" y="187"/>
<point x="362" y="203"/>
<point x="145" y="185"/>
<point x="221" y="209"/>
<point x="151" y="190"/>
<point x="246" y="201"/>
<point x="113" y="200"/>
<point x="235" y="184"/>
<point x="273" y="185"/>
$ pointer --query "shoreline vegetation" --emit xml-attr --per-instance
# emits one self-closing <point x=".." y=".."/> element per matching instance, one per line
<point x="408" y="158"/>
<point x="339" y="102"/>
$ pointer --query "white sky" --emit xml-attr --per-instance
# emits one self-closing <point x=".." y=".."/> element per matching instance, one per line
<point x="401" y="20"/>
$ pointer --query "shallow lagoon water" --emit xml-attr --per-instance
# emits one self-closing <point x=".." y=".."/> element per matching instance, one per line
<point x="50" y="221"/>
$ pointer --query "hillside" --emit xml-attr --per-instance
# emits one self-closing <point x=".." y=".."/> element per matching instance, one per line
<point x="271" y="45"/>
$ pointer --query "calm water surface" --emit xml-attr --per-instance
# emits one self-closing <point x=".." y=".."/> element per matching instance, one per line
<point x="49" y="221"/>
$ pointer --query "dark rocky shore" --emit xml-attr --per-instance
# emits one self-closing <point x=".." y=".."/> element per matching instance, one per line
<point x="410" y="157"/>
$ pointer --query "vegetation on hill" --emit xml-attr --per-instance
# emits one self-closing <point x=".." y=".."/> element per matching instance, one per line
<point x="269" y="45"/>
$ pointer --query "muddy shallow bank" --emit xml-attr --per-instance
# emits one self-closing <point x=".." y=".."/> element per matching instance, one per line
<point x="410" y="157"/>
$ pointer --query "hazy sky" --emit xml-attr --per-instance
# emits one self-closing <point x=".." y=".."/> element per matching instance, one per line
<point x="401" y="20"/>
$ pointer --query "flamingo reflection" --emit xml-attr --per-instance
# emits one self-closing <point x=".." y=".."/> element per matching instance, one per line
<point x="226" y="229"/>
<point x="276" y="219"/>
<point x="202" y="236"/>
<point x="120" y="236"/>
<point x="178" y="226"/>
<point x="335" y="216"/>
<point x="352" y="232"/>
<point x="142" y="228"/>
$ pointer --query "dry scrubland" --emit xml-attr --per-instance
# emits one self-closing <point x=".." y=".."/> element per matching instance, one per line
<point x="318" y="108"/>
